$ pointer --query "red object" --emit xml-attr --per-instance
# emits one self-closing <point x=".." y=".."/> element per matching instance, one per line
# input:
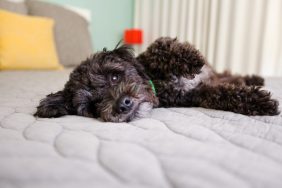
<point x="133" y="36"/>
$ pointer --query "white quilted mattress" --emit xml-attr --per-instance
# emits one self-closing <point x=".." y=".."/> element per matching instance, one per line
<point x="176" y="147"/>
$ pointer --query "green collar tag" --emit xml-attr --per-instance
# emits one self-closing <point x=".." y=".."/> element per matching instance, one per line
<point x="153" y="87"/>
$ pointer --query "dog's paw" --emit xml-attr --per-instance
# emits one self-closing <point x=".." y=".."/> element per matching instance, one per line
<point x="50" y="111"/>
<point x="52" y="106"/>
<point x="261" y="103"/>
<point x="83" y="110"/>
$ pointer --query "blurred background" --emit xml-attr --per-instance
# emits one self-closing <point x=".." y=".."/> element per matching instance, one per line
<point x="244" y="36"/>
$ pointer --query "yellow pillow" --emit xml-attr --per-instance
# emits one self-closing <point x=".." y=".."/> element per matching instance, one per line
<point x="27" y="42"/>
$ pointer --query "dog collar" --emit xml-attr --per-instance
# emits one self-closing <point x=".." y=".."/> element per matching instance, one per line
<point x="153" y="87"/>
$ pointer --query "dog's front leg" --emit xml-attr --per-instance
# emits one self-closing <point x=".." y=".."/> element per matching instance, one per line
<point x="53" y="105"/>
<point x="81" y="102"/>
<point x="239" y="99"/>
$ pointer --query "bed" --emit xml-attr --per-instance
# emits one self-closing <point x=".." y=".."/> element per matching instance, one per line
<point x="174" y="147"/>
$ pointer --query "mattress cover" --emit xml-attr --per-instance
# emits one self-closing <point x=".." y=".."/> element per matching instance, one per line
<point x="174" y="147"/>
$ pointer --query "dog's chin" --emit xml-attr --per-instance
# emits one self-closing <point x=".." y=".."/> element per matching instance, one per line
<point x="144" y="109"/>
<point x="140" y="110"/>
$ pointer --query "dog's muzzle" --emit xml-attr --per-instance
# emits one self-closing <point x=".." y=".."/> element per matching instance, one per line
<point x="127" y="101"/>
<point x="124" y="105"/>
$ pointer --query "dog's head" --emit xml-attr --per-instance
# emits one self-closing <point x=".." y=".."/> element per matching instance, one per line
<point x="118" y="85"/>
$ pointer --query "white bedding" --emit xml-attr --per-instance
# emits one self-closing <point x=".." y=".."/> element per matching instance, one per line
<point x="176" y="147"/>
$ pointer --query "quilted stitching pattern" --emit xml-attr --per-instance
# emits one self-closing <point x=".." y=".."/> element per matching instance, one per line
<point x="177" y="147"/>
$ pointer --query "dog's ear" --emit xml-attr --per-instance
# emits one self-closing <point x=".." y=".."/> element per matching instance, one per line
<point x="126" y="52"/>
<point x="141" y="70"/>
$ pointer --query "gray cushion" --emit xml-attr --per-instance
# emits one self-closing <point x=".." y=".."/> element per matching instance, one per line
<point x="72" y="36"/>
<point x="18" y="7"/>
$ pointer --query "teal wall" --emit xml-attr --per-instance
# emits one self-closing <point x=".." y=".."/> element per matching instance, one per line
<point x="109" y="19"/>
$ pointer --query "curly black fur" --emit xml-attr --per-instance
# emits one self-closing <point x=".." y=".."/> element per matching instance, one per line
<point x="114" y="85"/>
<point x="166" y="57"/>
<point x="91" y="92"/>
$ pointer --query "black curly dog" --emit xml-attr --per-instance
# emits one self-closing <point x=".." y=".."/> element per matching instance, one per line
<point x="117" y="87"/>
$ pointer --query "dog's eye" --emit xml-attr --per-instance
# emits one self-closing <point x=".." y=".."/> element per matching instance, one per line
<point x="115" y="78"/>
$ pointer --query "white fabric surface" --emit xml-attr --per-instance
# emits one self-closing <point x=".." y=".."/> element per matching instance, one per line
<point x="176" y="147"/>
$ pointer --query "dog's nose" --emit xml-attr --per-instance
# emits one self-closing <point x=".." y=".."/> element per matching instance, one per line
<point x="124" y="104"/>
